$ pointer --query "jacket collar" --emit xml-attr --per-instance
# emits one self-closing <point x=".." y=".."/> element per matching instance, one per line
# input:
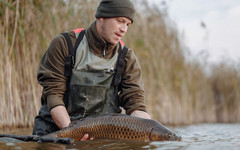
<point x="98" y="45"/>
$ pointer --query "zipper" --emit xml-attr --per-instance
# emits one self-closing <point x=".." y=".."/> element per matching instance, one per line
<point x="104" y="51"/>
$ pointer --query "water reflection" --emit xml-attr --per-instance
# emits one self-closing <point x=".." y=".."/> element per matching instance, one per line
<point x="112" y="144"/>
<point x="197" y="137"/>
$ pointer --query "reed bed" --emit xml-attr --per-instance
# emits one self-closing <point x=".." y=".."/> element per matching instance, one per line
<point x="177" y="91"/>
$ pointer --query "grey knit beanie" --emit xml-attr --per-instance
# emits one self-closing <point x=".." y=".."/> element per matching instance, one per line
<point x="115" y="8"/>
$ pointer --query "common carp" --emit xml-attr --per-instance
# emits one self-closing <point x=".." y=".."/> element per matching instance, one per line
<point x="117" y="126"/>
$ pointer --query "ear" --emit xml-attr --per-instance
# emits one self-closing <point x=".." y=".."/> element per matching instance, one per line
<point x="101" y="19"/>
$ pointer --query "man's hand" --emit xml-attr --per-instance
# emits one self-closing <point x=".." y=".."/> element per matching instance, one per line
<point x="141" y="114"/>
<point x="62" y="119"/>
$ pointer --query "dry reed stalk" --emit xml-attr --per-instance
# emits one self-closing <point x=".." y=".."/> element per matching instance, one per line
<point x="15" y="26"/>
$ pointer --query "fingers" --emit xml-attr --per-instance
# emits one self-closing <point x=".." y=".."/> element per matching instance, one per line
<point x="85" y="137"/>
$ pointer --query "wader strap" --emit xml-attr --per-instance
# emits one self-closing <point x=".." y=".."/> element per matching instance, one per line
<point x="119" y="69"/>
<point x="120" y="63"/>
<point x="79" y="39"/>
<point x="69" y="63"/>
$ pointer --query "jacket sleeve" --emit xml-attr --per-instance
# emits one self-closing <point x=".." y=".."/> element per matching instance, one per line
<point x="51" y="72"/>
<point x="131" y="95"/>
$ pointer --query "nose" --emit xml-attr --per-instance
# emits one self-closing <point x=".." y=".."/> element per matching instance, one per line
<point x="124" y="28"/>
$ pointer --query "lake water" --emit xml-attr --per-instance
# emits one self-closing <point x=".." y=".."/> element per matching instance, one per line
<point x="195" y="137"/>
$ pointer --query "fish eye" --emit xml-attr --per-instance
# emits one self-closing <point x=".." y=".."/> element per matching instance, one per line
<point x="170" y="135"/>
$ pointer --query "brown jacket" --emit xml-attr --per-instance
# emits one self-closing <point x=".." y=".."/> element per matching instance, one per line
<point x="51" y="71"/>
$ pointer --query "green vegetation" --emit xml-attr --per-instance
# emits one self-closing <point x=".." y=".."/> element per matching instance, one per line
<point x="177" y="91"/>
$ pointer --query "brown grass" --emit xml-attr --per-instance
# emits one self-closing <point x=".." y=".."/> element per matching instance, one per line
<point x="177" y="91"/>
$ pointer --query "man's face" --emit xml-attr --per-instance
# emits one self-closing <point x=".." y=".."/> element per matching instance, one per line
<point x="113" y="29"/>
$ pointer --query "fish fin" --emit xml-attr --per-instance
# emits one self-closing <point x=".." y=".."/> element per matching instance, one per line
<point x="102" y="115"/>
<point x="73" y="123"/>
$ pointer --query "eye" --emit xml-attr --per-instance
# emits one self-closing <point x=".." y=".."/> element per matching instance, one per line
<point x="170" y="136"/>
<point x="119" y="20"/>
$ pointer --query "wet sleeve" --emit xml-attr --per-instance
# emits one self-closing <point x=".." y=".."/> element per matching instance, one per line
<point x="131" y="95"/>
<point x="51" y="72"/>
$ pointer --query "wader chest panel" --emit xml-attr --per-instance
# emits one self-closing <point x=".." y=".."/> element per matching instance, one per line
<point x="91" y="91"/>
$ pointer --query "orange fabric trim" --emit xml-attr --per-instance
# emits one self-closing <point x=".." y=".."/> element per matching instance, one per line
<point x="78" y="30"/>
<point x="122" y="43"/>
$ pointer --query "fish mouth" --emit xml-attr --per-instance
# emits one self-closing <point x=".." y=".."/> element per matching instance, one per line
<point x="179" y="138"/>
<point x="174" y="137"/>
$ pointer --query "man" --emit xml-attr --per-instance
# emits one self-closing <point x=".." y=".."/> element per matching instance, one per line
<point x="91" y="90"/>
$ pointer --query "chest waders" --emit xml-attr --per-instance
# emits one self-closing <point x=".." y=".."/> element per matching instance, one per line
<point x="92" y="87"/>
